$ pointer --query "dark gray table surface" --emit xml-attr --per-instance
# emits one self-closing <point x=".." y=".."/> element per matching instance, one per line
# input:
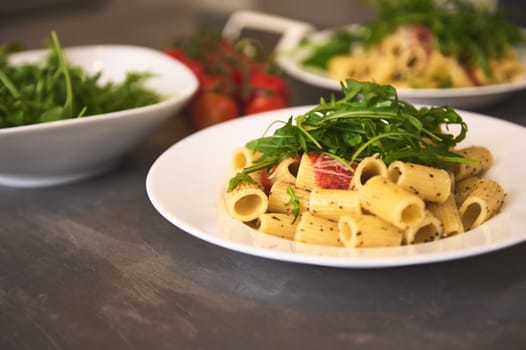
<point x="92" y="265"/>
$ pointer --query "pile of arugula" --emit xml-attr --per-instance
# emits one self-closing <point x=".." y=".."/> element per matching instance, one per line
<point x="475" y="35"/>
<point x="35" y="93"/>
<point x="368" y="120"/>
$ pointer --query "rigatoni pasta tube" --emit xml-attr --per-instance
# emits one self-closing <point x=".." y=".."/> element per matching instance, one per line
<point x="285" y="171"/>
<point x="279" y="197"/>
<point x="316" y="230"/>
<point x="428" y="230"/>
<point x="447" y="213"/>
<point x="464" y="187"/>
<point x="332" y="204"/>
<point x="484" y="201"/>
<point x="367" y="231"/>
<point x="391" y="202"/>
<point x="431" y="184"/>
<point x="480" y="153"/>
<point x="246" y="201"/>
<point x="306" y="177"/>
<point x="242" y="157"/>
<point x="277" y="224"/>
<point x="366" y="169"/>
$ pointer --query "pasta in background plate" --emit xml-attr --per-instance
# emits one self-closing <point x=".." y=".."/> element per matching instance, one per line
<point x="402" y="59"/>
<point x="424" y="44"/>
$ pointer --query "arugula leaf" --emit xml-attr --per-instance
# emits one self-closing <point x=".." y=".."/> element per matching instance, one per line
<point x="239" y="178"/>
<point x="368" y="120"/>
<point x="294" y="201"/>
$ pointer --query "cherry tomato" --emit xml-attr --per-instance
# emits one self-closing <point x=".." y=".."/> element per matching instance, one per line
<point x="218" y="83"/>
<point x="211" y="108"/>
<point x="196" y="68"/>
<point x="263" y="103"/>
<point x="193" y="65"/>
<point x="176" y="53"/>
<point x="233" y="79"/>
<point x="270" y="83"/>
<point x="224" y="64"/>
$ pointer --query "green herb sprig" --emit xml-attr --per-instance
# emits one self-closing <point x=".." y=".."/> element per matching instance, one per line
<point x="294" y="202"/>
<point x="368" y="120"/>
<point x="52" y="90"/>
<point x="474" y="35"/>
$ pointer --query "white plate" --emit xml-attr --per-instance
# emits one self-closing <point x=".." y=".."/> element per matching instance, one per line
<point x="468" y="97"/>
<point x="186" y="184"/>
<point x="63" y="151"/>
<point x="289" y="57"/>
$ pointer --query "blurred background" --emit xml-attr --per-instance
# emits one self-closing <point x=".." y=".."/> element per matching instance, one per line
<point x="150" y="23"/>
<point x="154" y="23"/>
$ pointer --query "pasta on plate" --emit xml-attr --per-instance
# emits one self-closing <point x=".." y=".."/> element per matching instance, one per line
<point x="367" y="195"/>
<point x="404" y="203"/>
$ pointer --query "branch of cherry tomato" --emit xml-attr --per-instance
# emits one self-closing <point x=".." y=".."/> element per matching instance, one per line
<point x="235" y="78"/>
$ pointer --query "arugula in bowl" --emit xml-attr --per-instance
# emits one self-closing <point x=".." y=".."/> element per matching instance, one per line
<point x="32" y="93"/>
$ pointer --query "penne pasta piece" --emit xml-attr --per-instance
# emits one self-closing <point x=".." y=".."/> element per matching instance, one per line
<point x="506" y="69"/>
<point x="279" y="197"/>
<point x="305" y="177"/>
<point x="464" y="187"/>
<point x="392" y="203"/>
<point x="391" y="46"/>
<point x="452" y="181"/>
<point x="341" y="67"/>
<point x="509" y="69"/>
<point x="366" y="169"/>
<point x="480" y="153"/>
<point x="246" y="202"/>
<point x="258" y="177"/>
<point x="384" y="70"/>
<point x="456" y="73"/>
<point x="243" y="157"/>
<point x="277" y="224"/>
<point x="428" y="230"/>
<point x="286" y="171"/>
<point x="442" y="70"/>
<point x="332" y="204"/>
<point x="447" y="213"/>
<point x="316" y="230"/>
<point x="367" y="231"/>
<point x="484" y="201"/>
<point x="430" y="184"/>
<point x="413" y="60"/>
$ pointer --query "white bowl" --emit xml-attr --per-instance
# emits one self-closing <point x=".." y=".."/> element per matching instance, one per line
<point x="69" y="150"/>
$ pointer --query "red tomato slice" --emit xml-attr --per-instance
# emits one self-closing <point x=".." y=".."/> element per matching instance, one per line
<point x="330" y="173"/>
